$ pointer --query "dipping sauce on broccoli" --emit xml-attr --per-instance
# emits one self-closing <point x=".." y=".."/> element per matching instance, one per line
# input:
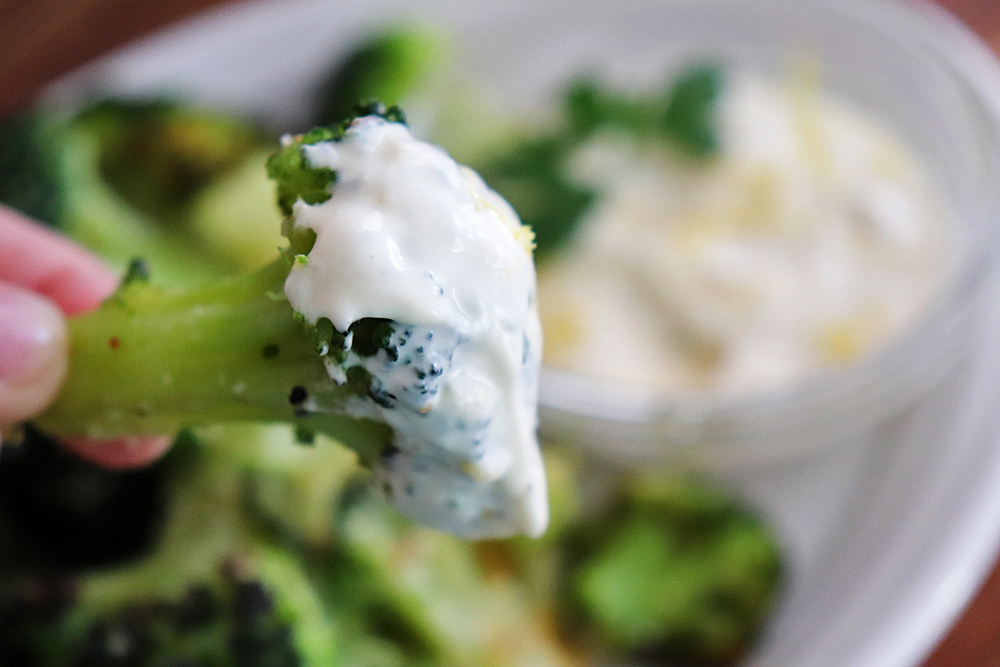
<point x="410" y="236"/>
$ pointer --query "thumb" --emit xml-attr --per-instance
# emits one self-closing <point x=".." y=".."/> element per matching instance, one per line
<point x="33" y="353"/>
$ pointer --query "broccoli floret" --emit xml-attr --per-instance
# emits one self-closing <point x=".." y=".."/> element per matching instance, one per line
<point x="30" y="173"/>
<point x="437" y="596"/>
<point x="124" y="178"/>
<point x="219" y="622"/>
<point x="158" y="155"/>
<point x="214" y="591"/>
<point x="675" y="571"/>
<point x="387" y="67"/>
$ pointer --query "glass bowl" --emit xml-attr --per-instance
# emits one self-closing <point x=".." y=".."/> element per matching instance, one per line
<point x="912" y="67"/>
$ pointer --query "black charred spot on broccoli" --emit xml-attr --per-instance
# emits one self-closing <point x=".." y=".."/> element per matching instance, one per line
<point x="137" y="272"/>
<point x="298" y="395"/>
<point x="305" y="435"/>
<point x="196" y="609"/>
<point x="250" y="601"/>
<point x="259" y="638"/>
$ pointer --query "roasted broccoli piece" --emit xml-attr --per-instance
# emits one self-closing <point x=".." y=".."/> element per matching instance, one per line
<point x="158" y="155"/>
<point x="443" y="600"/>
<point x="213" y="591"/>
<point x="227" y="620"/>
<point x="57" y="510"/>
<point x="30" y="173"/>
<point x="674" y="571"/>
<point x="151" y="360"/>
<point x="130" y="179"/>
<point x="389" y="66"/>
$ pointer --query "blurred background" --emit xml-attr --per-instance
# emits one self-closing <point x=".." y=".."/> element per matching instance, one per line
<point x="43" y="39"/>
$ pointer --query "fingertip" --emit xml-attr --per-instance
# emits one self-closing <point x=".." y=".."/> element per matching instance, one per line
<point x="46" y="262"/>
<point x="33" y="353"/>
<point x="124" y="453"/>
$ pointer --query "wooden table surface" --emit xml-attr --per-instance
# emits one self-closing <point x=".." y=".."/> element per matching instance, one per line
<point x="41" y="39"/>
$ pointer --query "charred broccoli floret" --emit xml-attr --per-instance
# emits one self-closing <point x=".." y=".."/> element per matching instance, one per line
<point x="674" y="571"/>
<point x="211" y="590"/>
<point x="231" y="621"/>
<point x="30" y="176"/>
<point x="158" y="155"/>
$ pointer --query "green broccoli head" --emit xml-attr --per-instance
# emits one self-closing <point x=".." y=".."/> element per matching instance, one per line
<point x="676" y="572"/>
<point x="157" y="154"/>
<point x="121" y="178"/>
<point x="387" y="67"/>
<point x="296" y="179"/>
<point x="30" y="176"/>
<point x="228" y="620"/>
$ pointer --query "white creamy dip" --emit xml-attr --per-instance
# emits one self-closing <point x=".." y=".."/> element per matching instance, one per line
<point x="810" y="241"/>
<point x="411" y="236"/>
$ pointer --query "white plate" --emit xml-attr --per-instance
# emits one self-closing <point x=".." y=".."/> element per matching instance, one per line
<point x="887" y="536"/>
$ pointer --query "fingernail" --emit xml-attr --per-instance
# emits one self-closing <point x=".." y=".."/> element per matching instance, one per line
<point x="32" y="335"/>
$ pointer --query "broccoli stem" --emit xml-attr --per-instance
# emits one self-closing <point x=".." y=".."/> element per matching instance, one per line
<point x="152" y="360"/>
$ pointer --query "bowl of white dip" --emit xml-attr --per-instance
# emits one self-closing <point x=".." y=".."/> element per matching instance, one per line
<point x="821" y="276"/>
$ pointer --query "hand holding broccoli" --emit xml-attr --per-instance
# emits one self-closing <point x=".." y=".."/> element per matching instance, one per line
<point x="44" y="277"/>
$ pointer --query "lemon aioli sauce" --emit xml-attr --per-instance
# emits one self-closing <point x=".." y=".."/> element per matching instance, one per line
<point x="810" y="241"/>
<point x="411" y="236"/>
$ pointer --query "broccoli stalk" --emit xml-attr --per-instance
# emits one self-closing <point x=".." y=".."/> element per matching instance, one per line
<point x="151" y="360"/>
